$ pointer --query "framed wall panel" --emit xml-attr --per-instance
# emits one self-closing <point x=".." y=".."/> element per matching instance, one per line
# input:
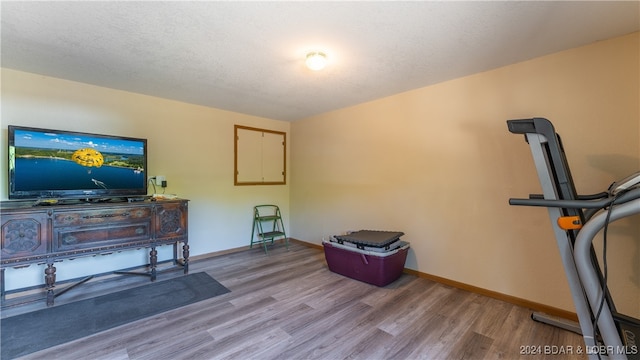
<point x="260" y="156"/>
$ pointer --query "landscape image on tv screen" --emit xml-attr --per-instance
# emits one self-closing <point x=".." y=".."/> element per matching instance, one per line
<point x="59" y="162"/>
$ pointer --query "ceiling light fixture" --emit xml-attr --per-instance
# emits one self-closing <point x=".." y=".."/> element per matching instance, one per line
<point x="316" y="60"/>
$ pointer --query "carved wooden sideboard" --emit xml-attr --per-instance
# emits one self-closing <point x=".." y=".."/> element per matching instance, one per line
<point x="47" y="234"/>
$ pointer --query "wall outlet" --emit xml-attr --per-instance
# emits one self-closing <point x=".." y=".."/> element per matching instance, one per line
<point x="160" y="179"/>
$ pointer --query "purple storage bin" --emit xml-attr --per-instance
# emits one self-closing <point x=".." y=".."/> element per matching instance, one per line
<point x="374" y="268"/>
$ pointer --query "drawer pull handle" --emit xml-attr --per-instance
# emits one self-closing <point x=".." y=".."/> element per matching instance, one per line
<point x="105" y="216"/>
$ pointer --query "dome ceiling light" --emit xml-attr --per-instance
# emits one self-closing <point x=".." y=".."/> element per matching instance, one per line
<point x="316" y="60"/>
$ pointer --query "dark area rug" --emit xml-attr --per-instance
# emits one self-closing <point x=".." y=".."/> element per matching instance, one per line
<point x="26" y="333"/>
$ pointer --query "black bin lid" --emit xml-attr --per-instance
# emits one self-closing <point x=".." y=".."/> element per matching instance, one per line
<point x="373" y="238"/>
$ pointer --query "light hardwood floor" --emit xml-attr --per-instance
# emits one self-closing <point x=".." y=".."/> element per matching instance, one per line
<point x="288" y="305"/>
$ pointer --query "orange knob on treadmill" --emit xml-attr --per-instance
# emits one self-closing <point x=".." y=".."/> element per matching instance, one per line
<point x="569" y="222"/>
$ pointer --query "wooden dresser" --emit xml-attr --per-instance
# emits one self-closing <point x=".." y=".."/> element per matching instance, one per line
<point x="47" y="234"/>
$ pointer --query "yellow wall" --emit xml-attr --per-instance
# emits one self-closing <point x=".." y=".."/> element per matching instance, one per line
<point x="191" y="145"/>
<point x="439" y="164"/>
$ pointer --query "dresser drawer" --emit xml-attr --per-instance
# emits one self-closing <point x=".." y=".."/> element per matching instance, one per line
<point x="104" y="237"/>
<point x="100" y="216"/>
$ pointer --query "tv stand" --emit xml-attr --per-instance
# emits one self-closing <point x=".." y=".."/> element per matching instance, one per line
<point x="47" y="234"/>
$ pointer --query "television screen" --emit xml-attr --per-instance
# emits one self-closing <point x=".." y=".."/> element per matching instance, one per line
<point x="47" y="163"/>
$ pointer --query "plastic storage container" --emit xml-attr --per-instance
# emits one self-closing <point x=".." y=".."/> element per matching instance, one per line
<point x="373" y="267"/>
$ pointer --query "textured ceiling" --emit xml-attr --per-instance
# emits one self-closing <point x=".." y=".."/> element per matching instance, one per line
<point x="248" y="57"/>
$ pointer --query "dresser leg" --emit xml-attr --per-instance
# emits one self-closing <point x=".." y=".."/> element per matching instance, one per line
<point x="153" y="261"/>
<point x="2" y="293"/>
<point x="185" y="256"/>
<point x="50" y="280"/>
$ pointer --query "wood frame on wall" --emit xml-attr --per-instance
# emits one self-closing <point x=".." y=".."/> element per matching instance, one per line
<point x="257" y="158"/>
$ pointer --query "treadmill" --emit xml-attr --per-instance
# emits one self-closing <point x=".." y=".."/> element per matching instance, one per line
<point x="576" y="220"/>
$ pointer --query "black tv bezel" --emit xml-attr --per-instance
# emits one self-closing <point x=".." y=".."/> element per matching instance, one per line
<point x="87" y="194"/>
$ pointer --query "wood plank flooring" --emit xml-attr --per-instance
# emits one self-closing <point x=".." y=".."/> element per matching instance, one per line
<point x="288" y="305"/>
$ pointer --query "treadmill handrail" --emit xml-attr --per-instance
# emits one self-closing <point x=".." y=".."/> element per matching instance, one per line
<point x="578" y="204"/>
<point x="589" y="277"/>
<point x="600" y="195"/>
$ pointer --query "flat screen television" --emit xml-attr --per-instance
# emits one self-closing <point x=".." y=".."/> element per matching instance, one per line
<point x="58" y="164"/>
